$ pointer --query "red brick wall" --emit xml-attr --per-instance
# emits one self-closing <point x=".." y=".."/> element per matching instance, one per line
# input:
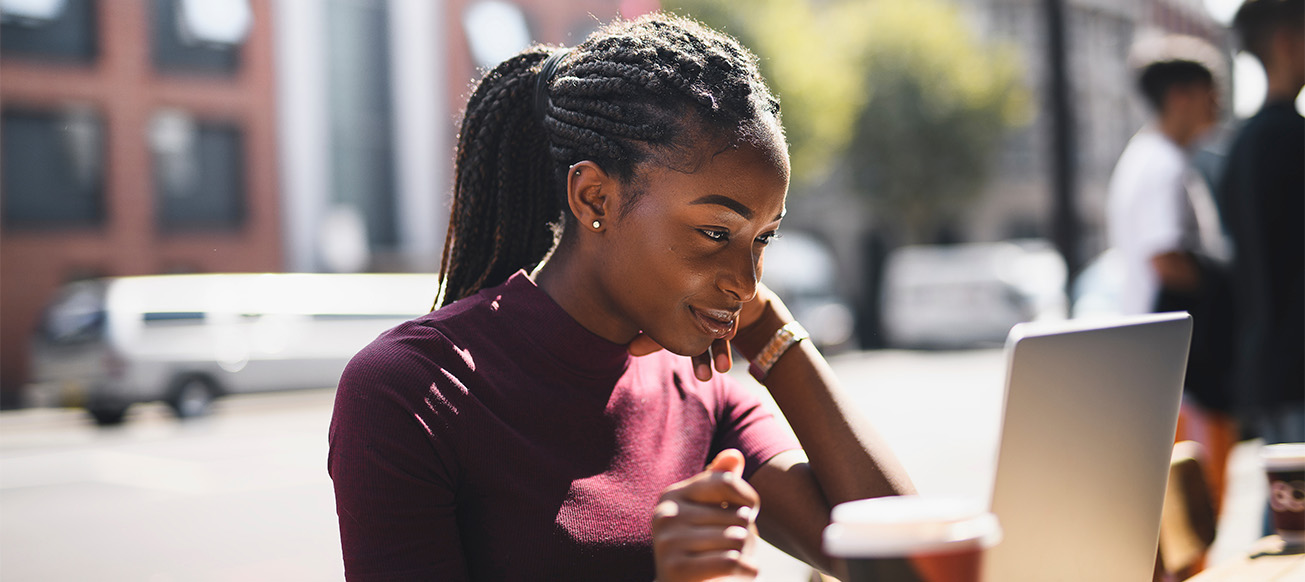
<point x="123" y="87"/>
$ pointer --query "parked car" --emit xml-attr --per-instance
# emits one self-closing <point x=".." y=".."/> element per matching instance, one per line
<point x="965" y="295"/>
<point x="186" y="339"/>
<point x="801" y="270"/>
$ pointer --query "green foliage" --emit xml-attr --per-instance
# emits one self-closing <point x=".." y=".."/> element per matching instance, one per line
<point x="900" y="90"/>
<point x="811" y="57"/>
<point x="938" y="104"/>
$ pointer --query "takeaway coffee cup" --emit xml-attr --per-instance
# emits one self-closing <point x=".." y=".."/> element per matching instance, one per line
<point x="912" y="539"/>
<point x="1284" y="465"/>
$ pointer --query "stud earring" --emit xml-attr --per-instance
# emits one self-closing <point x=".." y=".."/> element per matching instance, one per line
<point x="598" y="224"/>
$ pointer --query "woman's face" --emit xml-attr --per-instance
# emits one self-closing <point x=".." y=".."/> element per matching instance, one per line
<point x="682" y="261"/>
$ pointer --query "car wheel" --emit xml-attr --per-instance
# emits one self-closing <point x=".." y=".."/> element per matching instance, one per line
<point x="192" y="397"/>
<point x="107" y="415"/>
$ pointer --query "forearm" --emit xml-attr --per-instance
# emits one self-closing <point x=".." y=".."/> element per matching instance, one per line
<point x="847" y="457"/>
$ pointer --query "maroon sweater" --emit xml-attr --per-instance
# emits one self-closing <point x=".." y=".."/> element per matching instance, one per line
<point x="498" y="439"/>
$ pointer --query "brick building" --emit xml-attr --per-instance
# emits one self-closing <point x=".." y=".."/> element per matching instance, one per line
<point x="161" y="136"/>
<point x="134" y="141"/>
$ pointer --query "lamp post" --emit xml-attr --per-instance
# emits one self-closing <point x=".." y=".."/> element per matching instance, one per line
<point x="1064" y="211"/>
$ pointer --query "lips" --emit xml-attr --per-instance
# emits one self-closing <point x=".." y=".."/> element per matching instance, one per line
<point x="715" y="322"/>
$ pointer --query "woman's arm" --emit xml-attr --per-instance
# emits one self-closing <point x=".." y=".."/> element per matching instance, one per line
<point x="842" y="459"/>
<point x="393" y="492"/>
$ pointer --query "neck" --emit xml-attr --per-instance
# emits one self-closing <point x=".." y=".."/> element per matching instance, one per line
<point x="1282" y="89"/>
<point x="1284" y="66"/>
<point x="571" y="282"/>
<point x="1174" y="129"/>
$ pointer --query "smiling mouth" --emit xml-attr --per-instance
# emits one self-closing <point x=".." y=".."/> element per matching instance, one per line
<point x="715" y="322"/>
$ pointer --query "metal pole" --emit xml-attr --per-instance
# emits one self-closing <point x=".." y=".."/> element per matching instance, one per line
<point x="1064" y="211"/>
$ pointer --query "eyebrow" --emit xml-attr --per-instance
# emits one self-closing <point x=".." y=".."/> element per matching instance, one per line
<point x="732" y="204"/>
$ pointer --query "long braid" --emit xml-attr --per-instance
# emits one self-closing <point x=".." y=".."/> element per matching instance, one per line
<point x="502" y="200"/>
<point x="632" y="90"/>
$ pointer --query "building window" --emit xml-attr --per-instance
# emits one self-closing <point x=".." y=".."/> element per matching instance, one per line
<point x="199" y="178"/>
<point x="362" y="116"/>
<point x="495" y="31"/>
<point x="51" y="167"/>
<point x="199" y="36"/>
<point x="55" y="30"/>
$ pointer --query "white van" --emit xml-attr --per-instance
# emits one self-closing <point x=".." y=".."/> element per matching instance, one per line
<point x="969" y="295"/>
<point x="186" y="339"/>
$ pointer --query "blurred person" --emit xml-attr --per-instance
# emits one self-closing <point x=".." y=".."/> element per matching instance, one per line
<point x="1262" y="193"/>
<point x="611" y="200"/>
<point x="1162" y="221"/>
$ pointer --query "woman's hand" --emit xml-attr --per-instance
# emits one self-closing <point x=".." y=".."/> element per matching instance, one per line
<point x="758" y="320"/>
<point x="704" y="528"/>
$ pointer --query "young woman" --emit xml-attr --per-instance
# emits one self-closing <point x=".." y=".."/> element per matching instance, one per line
<point x="611" y="200"/>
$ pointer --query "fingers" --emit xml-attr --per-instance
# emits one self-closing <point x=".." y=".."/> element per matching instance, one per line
<point x="704" y="516"/>
<point x="717" y="356"/>
<point x="705" y="526"/>
<point x="729" y="461"/>
<point x="707" y="540"/>
<point x="707" y="566"/>
<point x="702" y="366"/>
<point x="699" y="542"/>
<point x="721" y="484"/>
<point x="720" y="489"/>
<point x="720" y="350"/>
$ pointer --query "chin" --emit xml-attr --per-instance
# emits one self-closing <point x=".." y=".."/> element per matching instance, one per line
<point x="687" y="346"/>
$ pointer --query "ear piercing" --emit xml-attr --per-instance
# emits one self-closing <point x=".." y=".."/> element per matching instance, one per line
<point x="598" y="224"/>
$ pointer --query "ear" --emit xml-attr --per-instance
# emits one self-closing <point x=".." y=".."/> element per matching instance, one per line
<point x="592" y="194"/>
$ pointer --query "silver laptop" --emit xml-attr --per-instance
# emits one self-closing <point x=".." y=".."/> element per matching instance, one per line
<point x="1090" y="413"/>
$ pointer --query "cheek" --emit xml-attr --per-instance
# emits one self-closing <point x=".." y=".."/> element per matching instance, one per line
<point x="671" y="269"/>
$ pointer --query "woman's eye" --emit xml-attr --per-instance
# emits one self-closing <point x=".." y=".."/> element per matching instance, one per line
<point x="716" y="235"/>
<point x="767" y="238"/>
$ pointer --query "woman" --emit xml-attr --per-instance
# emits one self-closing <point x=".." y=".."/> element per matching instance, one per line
<point x="532" y="427"/>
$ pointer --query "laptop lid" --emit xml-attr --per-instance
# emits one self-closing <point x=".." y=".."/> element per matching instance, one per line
<point x="1090" y="412"/>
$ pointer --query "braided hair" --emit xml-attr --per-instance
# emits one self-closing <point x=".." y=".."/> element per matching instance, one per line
<point x="635" y="91"/>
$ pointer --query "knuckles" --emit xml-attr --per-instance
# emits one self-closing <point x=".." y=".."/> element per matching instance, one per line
<point x="703" y="526"/>
<point x="728" y="563"/>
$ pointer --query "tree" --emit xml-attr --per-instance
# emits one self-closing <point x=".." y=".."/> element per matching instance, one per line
<point x="901" y="93"/>
<point x="938" y="104"/>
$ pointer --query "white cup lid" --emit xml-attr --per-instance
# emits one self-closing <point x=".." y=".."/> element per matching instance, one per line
<point x="909" y="524"/>
<point x="1283" y="456"/>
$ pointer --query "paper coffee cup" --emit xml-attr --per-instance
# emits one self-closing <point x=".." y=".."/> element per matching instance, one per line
<point x="1284" y="465"/>
<point x="912" y="538"/>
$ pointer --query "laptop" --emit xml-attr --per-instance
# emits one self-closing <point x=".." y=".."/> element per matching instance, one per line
<point x="1090" y="412"/>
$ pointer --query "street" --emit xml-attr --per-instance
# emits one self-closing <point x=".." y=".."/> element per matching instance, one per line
<point x="243" y="495"/>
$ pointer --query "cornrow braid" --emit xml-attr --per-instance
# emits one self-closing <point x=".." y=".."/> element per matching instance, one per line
<point x="634" y="90"/>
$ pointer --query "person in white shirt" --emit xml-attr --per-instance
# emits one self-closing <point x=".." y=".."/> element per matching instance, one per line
<point x="1162" y="222"/>
<point x="1159" y="210"/>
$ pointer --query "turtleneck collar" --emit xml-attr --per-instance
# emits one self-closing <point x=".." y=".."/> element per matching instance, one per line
<point x="550" y="328"/>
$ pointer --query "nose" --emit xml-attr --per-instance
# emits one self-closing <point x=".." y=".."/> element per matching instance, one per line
<point x="739" y="276"/>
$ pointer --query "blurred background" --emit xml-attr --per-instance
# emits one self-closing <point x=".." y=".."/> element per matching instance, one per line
<point x="950" y="163"/>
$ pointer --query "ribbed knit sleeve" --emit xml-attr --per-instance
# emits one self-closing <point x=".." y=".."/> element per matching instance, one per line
<point x="393" y="462"/>
<point x="743" y="422"/>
